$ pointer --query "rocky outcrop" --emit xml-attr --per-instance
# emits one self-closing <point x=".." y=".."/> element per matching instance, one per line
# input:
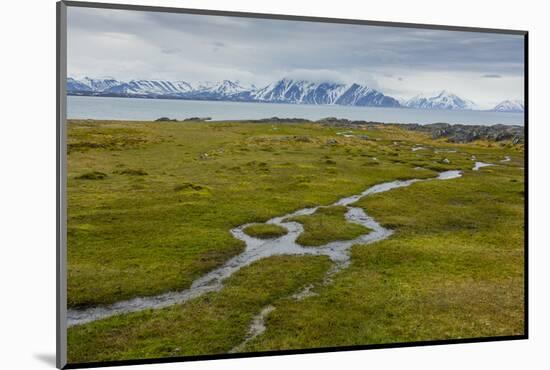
<point x="468" y="133"/>
<point x="453" y="133"/>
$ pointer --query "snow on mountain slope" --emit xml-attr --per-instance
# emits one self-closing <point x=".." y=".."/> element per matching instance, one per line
<point x="76" y="86"/>
<point x="151" y="88"/>
<point x="100" y="84"/>
<point x="365" y="96"/>
<point x="220" y="89"/>
<point x="443" y="100"/>
<point x="306" y="92"/>
<point x="516" y="106"/>
<point x="285" y="91"/>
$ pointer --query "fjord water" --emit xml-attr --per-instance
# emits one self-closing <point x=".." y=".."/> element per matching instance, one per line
<point x="110" y="108"/>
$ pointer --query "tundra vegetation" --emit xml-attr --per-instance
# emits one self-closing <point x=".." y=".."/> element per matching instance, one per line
<point x="151" y="206"/>
<point x="265" y="231"/>
<point x="327" y="224"/>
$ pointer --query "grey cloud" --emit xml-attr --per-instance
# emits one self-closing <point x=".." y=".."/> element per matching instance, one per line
<point x="491" y="76"/>
<point x="106" y="41"/>
<point x="171" y="51"/>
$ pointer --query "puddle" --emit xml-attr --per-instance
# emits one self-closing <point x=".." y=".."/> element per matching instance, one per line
<point x="479" y="165"/>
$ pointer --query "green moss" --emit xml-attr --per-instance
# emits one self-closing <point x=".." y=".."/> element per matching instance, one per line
<point x="326" y="225"/>
<point x="132" y="172"/>
<point x="188" y="186"/>
<point x="212" y="324"/>
<point x="265" y="231"/>
<point x="151" y="234"/>
<point x="452" y="269"/>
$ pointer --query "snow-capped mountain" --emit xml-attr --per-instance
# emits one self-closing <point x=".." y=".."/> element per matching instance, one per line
<point x="299" y="92"/>
<point x="91" y="84"/>
<point x="148" y="88"/>
<point x="75" y="86"/>
<point x="365" y="96"/>
<point x="100" y="84"/>
<point x="515" y="106"/>
<point x="283" y="91"/>
<point x="307" y="92"/>
<point x="443" y="100"/>
<point x="218" y="90"/>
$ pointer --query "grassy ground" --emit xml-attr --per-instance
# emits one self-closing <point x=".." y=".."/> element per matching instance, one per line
<point x="327" y="224"/>
<point x="265" y="231"/>
<point x="214" y="323"/>
<point x="151" y="206"/>
<point x="452" y="270"/>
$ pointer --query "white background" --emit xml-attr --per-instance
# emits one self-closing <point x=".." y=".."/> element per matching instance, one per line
<point x="27" y="181"/>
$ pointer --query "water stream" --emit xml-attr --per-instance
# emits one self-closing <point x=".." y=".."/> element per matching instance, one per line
<point x="256" y="249"/>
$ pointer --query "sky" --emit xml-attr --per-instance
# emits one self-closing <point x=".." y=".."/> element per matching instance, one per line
<point x="401" y="62"/>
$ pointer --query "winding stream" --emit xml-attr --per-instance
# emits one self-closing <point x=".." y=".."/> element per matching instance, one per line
<point x="256" y="249"/>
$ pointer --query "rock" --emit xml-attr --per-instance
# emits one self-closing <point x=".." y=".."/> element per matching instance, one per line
<point x="280" y="120"/>
<point x="517" y="140"/>
<point x="197" y="119"/>
<point x="468" y="133"/>
<point x="165" y="119"/>
<point x="332" y="142"/>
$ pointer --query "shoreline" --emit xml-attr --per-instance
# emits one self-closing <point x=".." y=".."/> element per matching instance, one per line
<point x="454" y="133"/>
<point x="130" y="108"/>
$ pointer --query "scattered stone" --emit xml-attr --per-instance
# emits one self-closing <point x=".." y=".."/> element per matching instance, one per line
<point x="457" y="133"/>
<point x="468" y="133"/>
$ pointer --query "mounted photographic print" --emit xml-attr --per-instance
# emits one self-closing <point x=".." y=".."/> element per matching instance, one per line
<point x="237" y="184"/>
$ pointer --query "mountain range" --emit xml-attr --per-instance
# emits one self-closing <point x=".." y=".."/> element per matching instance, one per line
<point x="288" y="91"/>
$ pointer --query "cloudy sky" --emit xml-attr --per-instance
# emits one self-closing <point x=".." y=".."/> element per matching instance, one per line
<point x="401" y="62"/>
